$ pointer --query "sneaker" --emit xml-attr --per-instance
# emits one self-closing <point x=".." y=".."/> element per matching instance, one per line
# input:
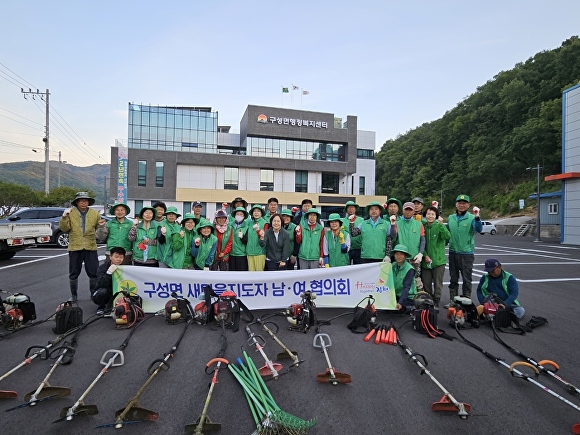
<point x="446" y="306"/>
<point x="100" y="311"/>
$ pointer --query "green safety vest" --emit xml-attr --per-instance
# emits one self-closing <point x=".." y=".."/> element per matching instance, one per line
<point x="504" y="280"/>
<point x="182" y="258"/>
<point x="374" y="239"/>
<point x="142" y="233"/>
<point x="335" y="255"/>
<point x="204" y="249"/>
<point x="310" y="246"/>
<point x="409" y="234"/>
<point x="399" y="274"/>
<point x="253" y="247"/>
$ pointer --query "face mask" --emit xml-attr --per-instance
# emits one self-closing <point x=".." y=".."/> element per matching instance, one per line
<point x="239" y="219"/>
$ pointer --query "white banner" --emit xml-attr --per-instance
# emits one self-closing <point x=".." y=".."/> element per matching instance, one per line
<point x="338" y="287"/>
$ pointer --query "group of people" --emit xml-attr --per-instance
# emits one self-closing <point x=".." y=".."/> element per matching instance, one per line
<point x="413" y="238"/>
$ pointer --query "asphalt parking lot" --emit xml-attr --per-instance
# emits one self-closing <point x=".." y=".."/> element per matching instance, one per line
<point x="387" y="393"/>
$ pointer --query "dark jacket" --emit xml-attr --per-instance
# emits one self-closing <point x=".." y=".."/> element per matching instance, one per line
<point x="104" y="280"/>
<point x="276" y="250"/>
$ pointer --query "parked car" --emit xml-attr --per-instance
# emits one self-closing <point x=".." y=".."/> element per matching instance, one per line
<point x="44" y="214"/>
<point x="488" y="227"/>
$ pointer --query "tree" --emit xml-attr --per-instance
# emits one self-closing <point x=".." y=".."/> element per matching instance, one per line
<point x="14" y="196"/>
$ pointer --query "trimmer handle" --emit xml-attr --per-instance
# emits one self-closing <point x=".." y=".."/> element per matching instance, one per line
<point x="324" y="340"/>
<point x="41" y="350"/>
<point x="110" y="356"/>
<point x="215" y="361"/>
<point x="256" y="339"/>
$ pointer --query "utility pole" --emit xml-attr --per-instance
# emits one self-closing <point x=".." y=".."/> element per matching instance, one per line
<point x="45" y="139"/>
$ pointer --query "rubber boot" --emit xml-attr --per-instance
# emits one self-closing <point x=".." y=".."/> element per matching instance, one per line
<point x="467" y="294"/>
<point x="93" y="285"/>
<point x="74" y="285"/>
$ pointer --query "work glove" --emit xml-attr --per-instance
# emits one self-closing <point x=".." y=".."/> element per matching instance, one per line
<point x="417" y="258"/>
<point x="341" y="238"/>
<point x="66" y="211"/>
<point x="434" y="204"/>
<point x="142" y="246"/>
<point x="440" y="220"/>
<point x="321" y="262"/>
<point x="298" y="230"/>
<point x="197" y="241"/>
<point x="112" y="269"/>
<point x="393" y="219"/>
<point x="135" y="222"/>
<point x="293" y="259"/>
<point x="385" y="206"/>
<point x="476" y="212"/>
<point x="240" y="234"/>
<point x="387" y="259"/>
<point x="182" y="234"/>
<point x="295" y="209"/>
<point x="163" y="230"/>
<point x="352" y="218"/>
<point x="256" y="227"/>
<point x="224" y="205"/>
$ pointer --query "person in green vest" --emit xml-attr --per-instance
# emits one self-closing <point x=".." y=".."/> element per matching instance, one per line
<point x="160" y="209"/>
<point x="394" y="207"/>
<point x="204" y="246"/>
<point x="418" y="212"/>
<point x="310" y="254"/>
<point x="257" y="225"/>
<point x="182" y="241"/>
<point x="224" y="234"/>
<point x="116" y="231"/>
<point x="238" y="257"/>
<point x="295" y="233"/>
<point x="376" y="234"/>
<point x="404" y="277"/>
<point x="411" y="233"/>
<point x="336" y="243"/>
<point x="503" y="284"/>
<point x="168" y="227"/>
<point x="434" y="259"/>
<point x="350" y="209"/>
<point x="144" y="235"/>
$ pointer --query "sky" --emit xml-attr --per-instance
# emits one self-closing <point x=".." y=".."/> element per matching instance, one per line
<point x="393" y="64"/>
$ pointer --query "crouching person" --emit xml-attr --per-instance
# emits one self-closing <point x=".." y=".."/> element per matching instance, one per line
<point x="103" y="293"/>
<point x="404" y="277"/>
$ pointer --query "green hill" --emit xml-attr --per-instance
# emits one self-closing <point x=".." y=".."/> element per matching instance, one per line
<point x="483" y="146"/>
<point x="31" y="174"/>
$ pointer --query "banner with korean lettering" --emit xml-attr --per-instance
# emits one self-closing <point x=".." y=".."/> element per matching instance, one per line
<point x="122" y="160"/>
<point x="336" y="287"/>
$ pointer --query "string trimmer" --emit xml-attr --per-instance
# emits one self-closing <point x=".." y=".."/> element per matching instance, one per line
<point x="204" y="422"/>
<point x="518" y="374"/>
<point x="111" y="358"/>
<point x="32" y="353"/>
<point x="287" y="354"/>
<point x="447" y="403"/>
<point x="331" y="376"/>
<point x="133" y="413"/>
<point x="64" y="355"/>
<point x="269" y="368"/>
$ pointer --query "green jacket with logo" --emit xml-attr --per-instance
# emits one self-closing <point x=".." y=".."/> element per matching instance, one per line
<point x="253" y="247"/>
<point x="374" y="239"/>
<point x="205" y="253"/>
<point x="181" y="258"/>
<point x="142" y="233"/>
<point x="436" y="235"/>
<point x="116" y="233"/>
<point x="409" y="234"/>
<point x="165" y="249"/>
<point x="238" y="246"/>
<point x="463" y="229"/>
<point x="310" y="246"/>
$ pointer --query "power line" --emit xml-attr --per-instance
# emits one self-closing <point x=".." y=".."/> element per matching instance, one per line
<point x="27" y="83"/>
<point x="20" y="116"/>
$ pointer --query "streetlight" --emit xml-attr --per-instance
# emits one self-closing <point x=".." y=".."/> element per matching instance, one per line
<point x="441" y="201"/>
<point x="537" y="167"/>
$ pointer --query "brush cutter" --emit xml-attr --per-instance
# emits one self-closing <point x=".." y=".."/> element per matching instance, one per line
<point x="268" y="416"/>
<point x="204" y="422"/>
<point x="32" y="353"/>
<point x="540" y="365"/>
<point x="269" y="368"/>
<point x="447" y="403"/>
<point x="518" y="374"/>
<point x="331" y="376"/>
<point x="111" y="358"/>
<point x="133" y="412"/>
<point x="287" y="354"/>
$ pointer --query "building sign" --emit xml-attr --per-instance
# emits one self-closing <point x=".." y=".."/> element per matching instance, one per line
<point x="263" y="119"/>
<point x="122" y="159"/>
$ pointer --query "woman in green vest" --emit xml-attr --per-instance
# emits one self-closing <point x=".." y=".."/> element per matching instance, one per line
<point x="434" y="260"/>
<point x="295" y="237"/>
<point x="336" y="243"/>
<point x="168" y="227"/>
<point x="350" y="209"/>
<point x="257" y="226"/>
<point x="238" y="258"/>
<point x="204" y="246"/>
<point x="181" y="243"/>
<point x="144" y="237"/>
<point x="404" y="277"/>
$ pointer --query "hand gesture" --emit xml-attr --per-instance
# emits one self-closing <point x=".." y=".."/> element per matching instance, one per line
<point x="66" y="211"/>
<point x="135" y="222"/>
<point x="352" y="218"/>
<point x="197" y="241"/>
<point x="182" y="234"/>
<point x="476" y="211"/>
<point x="295" y="209"/>
<point x="341" y="238"/>
<point x="256" y="227"/>
<point x="393" y="219"/>
<point x="112" y="269"/>
<point x="435" y="204"/>
<point x="163" y="230"/>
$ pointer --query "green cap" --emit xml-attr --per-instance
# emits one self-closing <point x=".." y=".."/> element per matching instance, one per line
<point x="188" y="216"/>
<point x="171" y="210"/>
<point x="312" y="210"/>
<point x="242" y="209"/>
<point x="203" y="223"/>
<point x="403" y="249"/>
<point x="334" y="217"/>
<point x="287" y="212"/>
<point x="257" y="206"/>
<point x="350" y="203"/>
<point x="115" y="205"/>
<point x="373" y="203"/>
<point x="144" y="209"/>
<point x="462" y="198"/>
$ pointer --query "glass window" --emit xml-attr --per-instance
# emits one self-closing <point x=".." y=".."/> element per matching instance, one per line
<point x="138" y="207"/>
<point x="301" y="181"/>
<point x="142" y="173"/>
<point x="553" y="208"/>
<point x="361" y="185"/>
<point x="231" y="177"/>
<point x="159" y="174"/>
<point x="266" y="180"/>
<point x="329" y="183"/>
<point x="365" y="154"/>
<point x="186" y="207"/>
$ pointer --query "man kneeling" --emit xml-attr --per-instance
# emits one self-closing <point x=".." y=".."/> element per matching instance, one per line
<point x="503" y="284"/>
<point x="103" y="292"/>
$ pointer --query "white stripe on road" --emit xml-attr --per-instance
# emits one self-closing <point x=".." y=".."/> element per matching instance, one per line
<point x="32" y="261"/>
